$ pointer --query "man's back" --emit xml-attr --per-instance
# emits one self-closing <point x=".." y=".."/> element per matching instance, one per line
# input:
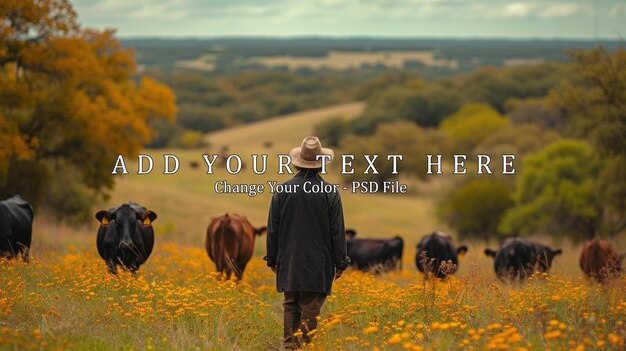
<point x="306" y="243"/>
<point x="306" y="235"/>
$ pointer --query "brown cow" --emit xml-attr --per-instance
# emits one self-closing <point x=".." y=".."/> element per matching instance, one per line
<point x="600" y="260"/>
<point x="230" y="243"/>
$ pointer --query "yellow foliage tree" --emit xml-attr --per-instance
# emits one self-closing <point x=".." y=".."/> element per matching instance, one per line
<point x="472" y="124"/>
<point x="69" y="95"/>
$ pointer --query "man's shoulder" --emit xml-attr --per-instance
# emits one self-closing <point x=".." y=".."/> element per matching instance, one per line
<point x="290" y="180"/>
<point x="293" y="180"/>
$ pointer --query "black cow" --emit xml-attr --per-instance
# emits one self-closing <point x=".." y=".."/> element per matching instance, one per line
<point x="125" y="236"/>
<point x="16" y="227"/>
<point x="437" y="254"/>
<point x="366" y="253"/>
<point x="518" y="258"/>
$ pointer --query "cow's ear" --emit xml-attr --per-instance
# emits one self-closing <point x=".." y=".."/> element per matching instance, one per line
<point x="490" y="252"/>
<point x="556" y="252"/>
<point x="260" y="231"/>
<point x="350" y="233"/>
<point x="148" y="217"/>
<point x="461" y="250"/>
<point x="104" y="217"/>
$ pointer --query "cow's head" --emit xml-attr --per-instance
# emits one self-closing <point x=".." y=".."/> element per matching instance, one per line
<point x="350" y="233"/>
<point x="125" y="224"/>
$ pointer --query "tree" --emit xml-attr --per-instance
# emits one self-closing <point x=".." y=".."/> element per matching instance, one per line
<point x="332" y="130"/>
<point x="400" y="137"/>
<point x="556" y="193"/>
<point x="69" y="100"/>
<point x="515" y="139"/>
<point x="496" y="86"/>
<point x="424" y="106"/>
<point x="384" y="81"/>
<point x="476" y="208"/>
<point x="597" y="111"/>
<point x="537" y="111"/>
<point x="469" y="126"/>
<point x="518" y="139"/>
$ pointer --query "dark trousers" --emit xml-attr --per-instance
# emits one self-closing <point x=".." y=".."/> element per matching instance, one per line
<point x="301" y="310"/>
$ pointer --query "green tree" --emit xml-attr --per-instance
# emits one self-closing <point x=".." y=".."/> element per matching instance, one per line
<point x="518" y="139"/>
<point x="597" y="111"/>
<point x="332" y="130"/>
<point x="426" y="107"/>
<point x="191" y="139"/>
<point x="385" y="81"/>
<point x="400" y="137"/>
<point x="556" y="193"/>
<point x="514" y="139"/>
<point x="472" y="124"/>
<point x="538" y="111"/>
<point x="496" y="85"/>
<point x="476" y="208"/>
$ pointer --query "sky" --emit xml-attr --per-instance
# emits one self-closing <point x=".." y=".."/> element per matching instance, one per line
<point x="546" y="19"/>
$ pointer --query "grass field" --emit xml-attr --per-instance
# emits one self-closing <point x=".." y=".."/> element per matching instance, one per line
<point x="343" y="60"/>
<point x="64" y="299"/>
<point x="338" y="60"/>
<point x="346" y="60"/>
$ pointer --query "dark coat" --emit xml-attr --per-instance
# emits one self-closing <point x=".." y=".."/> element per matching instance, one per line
<point x="306" y="237"/>
<point x="16" y="227"/>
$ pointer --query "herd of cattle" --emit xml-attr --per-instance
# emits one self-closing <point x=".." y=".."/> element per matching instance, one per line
<point x="125" y="238"/>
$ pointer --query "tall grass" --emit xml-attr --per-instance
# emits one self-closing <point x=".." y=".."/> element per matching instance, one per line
<point x="65" y="299"/>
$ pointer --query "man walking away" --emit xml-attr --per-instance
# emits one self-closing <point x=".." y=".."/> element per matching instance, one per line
<point x="306" y="245"/>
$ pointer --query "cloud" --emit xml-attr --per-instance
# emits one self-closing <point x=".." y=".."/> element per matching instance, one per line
<point x="114" y="5"/>
<point x="159" y="12"/>
<point x="530" y="9"/>
<point x="517" y="9"/>
<point x="340" y="10"/>
<point x="347" y="17"/>
<point x="559" y="10"/>
<point x="617" y="10"/>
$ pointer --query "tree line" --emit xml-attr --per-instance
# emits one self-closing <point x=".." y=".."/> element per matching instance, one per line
<point x="565" y="122"/>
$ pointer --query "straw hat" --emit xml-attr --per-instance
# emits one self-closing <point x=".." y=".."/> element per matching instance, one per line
<point x="305" y="155"/>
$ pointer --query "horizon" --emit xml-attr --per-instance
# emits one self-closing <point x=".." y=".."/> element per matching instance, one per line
<point x="372" y="37"/>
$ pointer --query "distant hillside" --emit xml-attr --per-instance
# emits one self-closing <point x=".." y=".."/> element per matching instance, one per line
<point x="233" y="54"/>
<point x="283" y="132"/>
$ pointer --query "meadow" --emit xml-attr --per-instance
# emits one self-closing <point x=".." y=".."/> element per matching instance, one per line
<point x="65" y="299"/>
